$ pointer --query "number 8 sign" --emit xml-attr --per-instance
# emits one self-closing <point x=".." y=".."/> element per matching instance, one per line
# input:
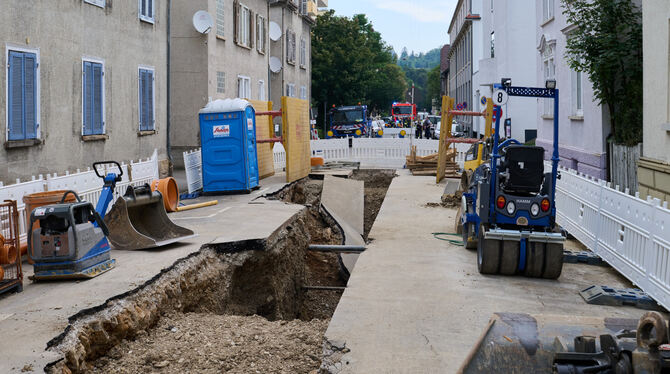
<point x="500" y="97"/>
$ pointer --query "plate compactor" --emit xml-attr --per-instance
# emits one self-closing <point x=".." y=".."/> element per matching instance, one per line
<point x="73" y="239"/>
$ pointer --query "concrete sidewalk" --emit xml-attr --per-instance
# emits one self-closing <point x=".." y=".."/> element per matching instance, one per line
<point x="28" y="320"/>
<point x="415" y="304"/>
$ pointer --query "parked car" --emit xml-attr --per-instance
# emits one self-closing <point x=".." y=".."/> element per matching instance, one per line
<point x="456" y="130"/>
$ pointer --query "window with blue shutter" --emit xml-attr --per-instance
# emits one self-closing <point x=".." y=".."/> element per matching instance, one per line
<point x="146" y="89"/>
<point x="22" y="95"/>
<point x="93" y="100"/>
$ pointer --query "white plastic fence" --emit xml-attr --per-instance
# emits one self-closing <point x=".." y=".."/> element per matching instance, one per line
<point x="385" y="152"/>
<point x="87" y="185"/>
<point x="629" y="233"/>
<point x="193" y="166"/>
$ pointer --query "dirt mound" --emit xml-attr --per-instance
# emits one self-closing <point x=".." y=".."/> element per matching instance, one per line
<point x="210" y="343"/>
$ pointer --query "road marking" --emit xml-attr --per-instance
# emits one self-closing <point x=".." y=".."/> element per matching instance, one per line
<point x="208" y="216"/>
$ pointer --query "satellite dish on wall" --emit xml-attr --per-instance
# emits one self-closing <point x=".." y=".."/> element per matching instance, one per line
<point x="275" y="64"/>
<point x="275" y="31"/>
<point x="203" y="22"/>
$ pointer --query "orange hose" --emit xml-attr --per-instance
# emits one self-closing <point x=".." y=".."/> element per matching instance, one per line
<point x="168" y="188"/>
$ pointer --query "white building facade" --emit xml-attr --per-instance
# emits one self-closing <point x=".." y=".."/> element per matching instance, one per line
<point x="583" y="124"/>
<point x="508" y="50"/>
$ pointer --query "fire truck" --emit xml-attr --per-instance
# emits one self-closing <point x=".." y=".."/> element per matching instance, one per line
<point x="403" y="112"/>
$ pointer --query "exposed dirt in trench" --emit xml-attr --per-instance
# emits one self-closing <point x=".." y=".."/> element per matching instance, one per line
<point x="210" y="343"/>
<point x="233" y="310"/>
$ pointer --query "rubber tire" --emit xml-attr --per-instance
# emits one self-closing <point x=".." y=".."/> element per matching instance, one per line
<point x="553" y="261"/>
<point x="488" y="254"/>
<point x="534" y="259"/>
<point x="509" y="262"/>
<point x="458" y="226"/>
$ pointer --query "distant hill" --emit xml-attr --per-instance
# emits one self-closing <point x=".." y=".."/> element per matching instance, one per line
<point x="416" y="68"/>
<point x="419" y="61"/>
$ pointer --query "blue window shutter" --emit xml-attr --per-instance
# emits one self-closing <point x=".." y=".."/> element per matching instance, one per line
<point x="143" y="101"/>
<point x="150" y="8"/>
<point x="88" y="98"/>
<point x="15" y="90"/>
<point x="143" y="8"/>
<point x="97" y="99"/>
<point x="150" y="100"/>
<point x="29" y="95"/>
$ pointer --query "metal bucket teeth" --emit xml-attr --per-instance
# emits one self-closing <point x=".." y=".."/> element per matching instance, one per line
<point x="138" y="220"/>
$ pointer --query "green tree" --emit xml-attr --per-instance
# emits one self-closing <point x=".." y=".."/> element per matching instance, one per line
<point x="351" y="63"/>
<point x="607" y="45"/>
<point x="433" y="84"/>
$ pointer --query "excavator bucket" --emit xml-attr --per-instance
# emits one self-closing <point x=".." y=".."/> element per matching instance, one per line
<point x="525" y="343"/>
<point x="138" y="220"/>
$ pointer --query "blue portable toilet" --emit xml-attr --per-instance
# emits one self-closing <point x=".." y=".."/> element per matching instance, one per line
<point x="228" y="141"/>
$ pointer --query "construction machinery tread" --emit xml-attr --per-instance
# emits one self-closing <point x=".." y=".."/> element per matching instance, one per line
<point x="488" y="254"/>
<point x="534" y="260"/>
<point x="509" y="262"/>
<point x="553" y="260"/>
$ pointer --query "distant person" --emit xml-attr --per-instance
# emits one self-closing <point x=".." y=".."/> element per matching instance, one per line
<point x="427" y="127"/>
<point x="419" y="129"/>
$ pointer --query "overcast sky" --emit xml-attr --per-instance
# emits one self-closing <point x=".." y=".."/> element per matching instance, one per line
<point x="419" y="25"/>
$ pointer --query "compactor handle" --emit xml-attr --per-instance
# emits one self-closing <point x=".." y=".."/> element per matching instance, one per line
<point x="62" y="200"/>
<point x="101" y="223"/>
<point x="118" y="176"/>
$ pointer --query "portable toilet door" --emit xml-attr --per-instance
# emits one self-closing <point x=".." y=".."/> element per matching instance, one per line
<point x="228" y="141"/>
<point x="252" y="154"/>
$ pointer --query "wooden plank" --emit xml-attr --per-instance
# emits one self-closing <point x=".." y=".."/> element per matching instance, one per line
<point x="445" y="132"/>
<point x="296" y="134"/>
<point x="264" y="130"/>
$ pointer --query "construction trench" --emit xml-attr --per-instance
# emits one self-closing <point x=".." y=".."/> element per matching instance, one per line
<point x="249" y="306"/>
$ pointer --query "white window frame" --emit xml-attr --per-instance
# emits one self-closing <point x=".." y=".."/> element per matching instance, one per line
<point x="549" y="72"/>
<point x="219" y="74"/>
<point x="101" y="62"/>
<point x="260" y="34"/>
<point x="290" y="89"/>
<point x="261" y="90"/>
<point x="246" y="86"/>
<point x="547" y="10"/>
<point x="220" y="19"/>
<point x="290" y="47"/>
<point x="303" y="53"/>
<point x="38" y="118"/>
<point x="147" y="18"/>
<point x="99" y="3"/>
<point x="243" y="26"/>
<point x="303" y="92"/>
<point x="139" y="96"/>
<point x="577" y="93"/>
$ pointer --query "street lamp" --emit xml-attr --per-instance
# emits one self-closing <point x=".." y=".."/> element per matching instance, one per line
<point x="550" y="84"/>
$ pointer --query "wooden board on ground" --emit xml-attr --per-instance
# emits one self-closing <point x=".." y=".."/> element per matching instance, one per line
<point x="428" y="165"/>
<point x="445" y="133"/>
<point x="264" y="130"/>
<point x="296" y="134"/>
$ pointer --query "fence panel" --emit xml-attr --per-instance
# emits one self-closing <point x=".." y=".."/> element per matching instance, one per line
<point x="629" y="233"/>
<point x="193" y="167"/>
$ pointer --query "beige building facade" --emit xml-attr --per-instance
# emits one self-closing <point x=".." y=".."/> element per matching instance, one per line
<point x="229" y="61"/>
<point x="654" y="165"/>
<point x="83" y="80"/>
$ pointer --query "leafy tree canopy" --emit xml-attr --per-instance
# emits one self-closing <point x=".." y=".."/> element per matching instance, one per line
<point x="607" y="45"/>
<point x="351" y="63"/>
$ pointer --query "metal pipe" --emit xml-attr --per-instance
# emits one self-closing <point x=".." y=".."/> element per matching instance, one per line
<point x="337" y="248"/>
<point x="323" y="288"/>
<point x="168" y="144"/>
<point x="275" y="113"/>
<point x="270" y="140"/>
<point x="466" y="113"/>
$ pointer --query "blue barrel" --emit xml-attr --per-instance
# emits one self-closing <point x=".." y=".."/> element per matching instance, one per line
<point x="228" y="141"/>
